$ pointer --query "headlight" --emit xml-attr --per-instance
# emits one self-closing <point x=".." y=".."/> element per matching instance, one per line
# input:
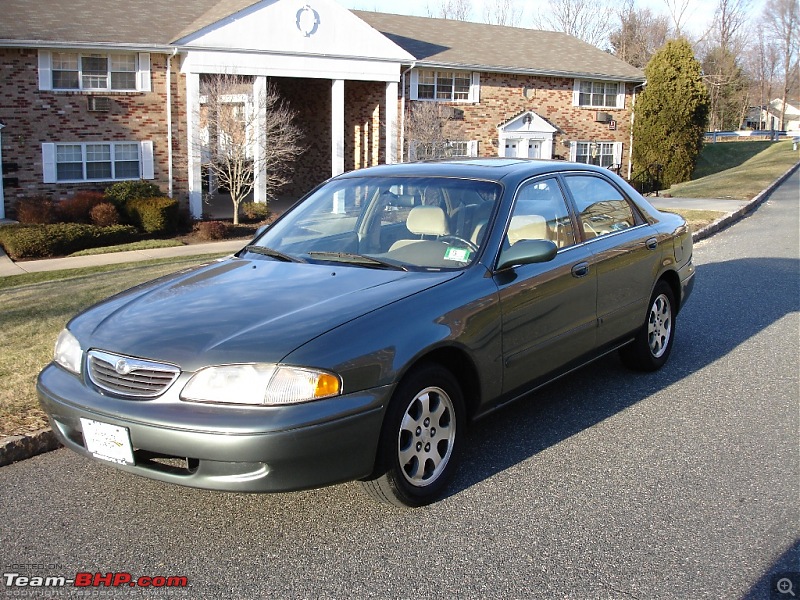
<point x="68" y="352"/>
<point x="260" y="385"/>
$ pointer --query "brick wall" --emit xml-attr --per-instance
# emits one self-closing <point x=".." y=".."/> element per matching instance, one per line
<point x="505" y="96"/>
<point x="365" y="136"/>
<point x="32" y="117"/>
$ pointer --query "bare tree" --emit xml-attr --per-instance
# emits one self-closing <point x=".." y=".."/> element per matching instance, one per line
<point x="246" y="133"/>
<point x="457" y="10"/>
<point x="677" y="10"/>
<point x="432" y="130"/>
<point x="722" y="50"/>
<point x="639" y="35"/>
<point x="761" y="63"/>
<point x="587" y="20"/>
<point x="783" y="22"/>
<point x="502" y="12"/>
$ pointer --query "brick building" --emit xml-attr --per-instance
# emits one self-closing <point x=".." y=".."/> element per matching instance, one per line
<point x="101" y="91"/>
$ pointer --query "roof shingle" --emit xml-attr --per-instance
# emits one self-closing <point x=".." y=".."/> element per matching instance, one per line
<point x="480" y="46"/>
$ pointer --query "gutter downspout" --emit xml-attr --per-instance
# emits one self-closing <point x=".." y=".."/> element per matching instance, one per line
<point x="169" y="121"/>
<point x="2" y="196"/>
<point x="403" y="112"/>
<point x="630" y="145"/>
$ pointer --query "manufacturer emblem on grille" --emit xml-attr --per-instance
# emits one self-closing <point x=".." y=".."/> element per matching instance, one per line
<point x="122" y="367"/>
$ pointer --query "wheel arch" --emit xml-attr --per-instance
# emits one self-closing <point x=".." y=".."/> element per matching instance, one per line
<point x="463" y="368"/>
<point x="673" y="281"/>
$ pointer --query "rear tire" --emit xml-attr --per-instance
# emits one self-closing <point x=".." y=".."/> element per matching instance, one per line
<point x="420" y="439"/>
<point x="653" y="344"/>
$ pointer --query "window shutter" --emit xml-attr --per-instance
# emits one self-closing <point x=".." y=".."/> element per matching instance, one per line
<point x="621" y="95"/>
<point x="49" y="162"/>
<point x="472" y="148"/>
<point x="475" y="88"/>
<point x="576" y="93"/>
<point x="573" y="151"/>
<point x="412" y="93"/>
<point x="146" y="152"/>
<point x="45" y="70"/>
<point x="143" y="73"/>
<point x="617" y="153"/>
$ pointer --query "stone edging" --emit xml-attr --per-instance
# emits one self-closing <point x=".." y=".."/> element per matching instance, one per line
<point x="20" y="447"/>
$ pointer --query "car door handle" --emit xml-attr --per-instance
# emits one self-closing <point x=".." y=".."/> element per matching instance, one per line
<point x="580" y="270"/>
<point x="651" y="244"/>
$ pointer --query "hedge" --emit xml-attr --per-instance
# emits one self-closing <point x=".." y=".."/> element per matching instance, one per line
<point x="153" y="215"/>
<point x="123" y="192"/>
<point x="59" y="239"/>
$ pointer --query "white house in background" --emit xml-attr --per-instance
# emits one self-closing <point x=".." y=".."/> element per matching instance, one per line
<point x="768" y="117"/>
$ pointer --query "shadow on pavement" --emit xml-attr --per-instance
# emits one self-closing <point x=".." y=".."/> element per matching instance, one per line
<point x="722" y="313"/>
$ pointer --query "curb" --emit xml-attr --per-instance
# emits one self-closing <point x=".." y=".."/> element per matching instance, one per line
<point x="738" y="215"/>
<point x="20" y="447"/>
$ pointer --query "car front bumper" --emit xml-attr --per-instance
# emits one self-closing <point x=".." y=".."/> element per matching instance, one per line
<point x="225" y="447"/>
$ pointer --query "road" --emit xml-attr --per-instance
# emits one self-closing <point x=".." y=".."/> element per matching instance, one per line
<point x="679" y="484"/>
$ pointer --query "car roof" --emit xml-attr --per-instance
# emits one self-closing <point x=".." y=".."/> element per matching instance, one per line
<point x="492" y="169"/>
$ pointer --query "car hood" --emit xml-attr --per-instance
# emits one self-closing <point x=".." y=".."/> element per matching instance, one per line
<point x="241" y="310"/>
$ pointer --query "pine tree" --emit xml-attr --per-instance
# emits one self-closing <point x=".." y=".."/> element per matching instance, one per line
<point x="671" y="113"/>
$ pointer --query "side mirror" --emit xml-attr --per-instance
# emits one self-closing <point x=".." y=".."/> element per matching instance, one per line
<point x="526" y="252"/>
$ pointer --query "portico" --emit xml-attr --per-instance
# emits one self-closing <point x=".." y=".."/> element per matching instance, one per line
<point x="350" y="70"/>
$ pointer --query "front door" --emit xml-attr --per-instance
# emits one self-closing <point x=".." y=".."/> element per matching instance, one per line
<point x="548" y="308"/>
<point x="512" y="148"/>
<point x="534" y="149"/>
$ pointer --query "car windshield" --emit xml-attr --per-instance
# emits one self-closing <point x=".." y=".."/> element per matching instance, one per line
<point x="387" y="222"/>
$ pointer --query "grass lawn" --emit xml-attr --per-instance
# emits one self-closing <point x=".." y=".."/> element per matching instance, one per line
<point x="35" y="308"/>
<point x="140" y="245"/>
<point x="698" y="219"/>
<point x="729" y="178"/>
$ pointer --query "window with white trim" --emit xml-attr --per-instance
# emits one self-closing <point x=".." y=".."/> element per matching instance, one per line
<point x="602" y="154"/>
<point x="444" y="86"/>
<point x="94" y="71"/>
<point x="598" y="94"/>
<point x="74" y="71"/>
<point x="97" y="161"/>
<point x="444" y="149"/>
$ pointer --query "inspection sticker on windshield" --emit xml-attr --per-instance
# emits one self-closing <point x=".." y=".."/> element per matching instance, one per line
<point x="108" y="442"/>
<point x="457" y="254"/>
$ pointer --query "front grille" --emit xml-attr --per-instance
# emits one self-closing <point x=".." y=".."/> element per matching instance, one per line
<point x="131" y="377"/>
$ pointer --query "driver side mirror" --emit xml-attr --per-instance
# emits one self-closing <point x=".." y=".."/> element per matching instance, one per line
<point x="526" y="252"/>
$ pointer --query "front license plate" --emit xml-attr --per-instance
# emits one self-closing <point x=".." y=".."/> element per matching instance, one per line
<point x="108" y="442"/>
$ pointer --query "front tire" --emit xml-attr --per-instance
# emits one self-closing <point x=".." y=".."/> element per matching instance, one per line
<point x="653" y="344"/>
<point x="420" y="439"/>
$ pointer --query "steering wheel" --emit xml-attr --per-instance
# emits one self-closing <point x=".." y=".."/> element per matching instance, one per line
<point x="460" y="240"/>
<point x="590" y="228"/>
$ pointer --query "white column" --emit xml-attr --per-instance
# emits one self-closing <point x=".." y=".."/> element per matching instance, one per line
<point x="391" y="122"/>
<point x="2" y="197"/>
<point x="193" y="144"/>
<point x="259" y="135"/>
<point x="337" y="127"/>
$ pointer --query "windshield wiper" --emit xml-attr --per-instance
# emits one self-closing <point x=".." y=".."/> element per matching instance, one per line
<point x="272" y="253"/>
<point x="359" y="259"/>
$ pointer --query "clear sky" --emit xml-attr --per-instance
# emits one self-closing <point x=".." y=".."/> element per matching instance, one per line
<point x="697" y="18"/>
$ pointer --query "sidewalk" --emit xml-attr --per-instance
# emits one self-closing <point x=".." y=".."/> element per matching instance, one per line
<point x="9" y="267"/>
